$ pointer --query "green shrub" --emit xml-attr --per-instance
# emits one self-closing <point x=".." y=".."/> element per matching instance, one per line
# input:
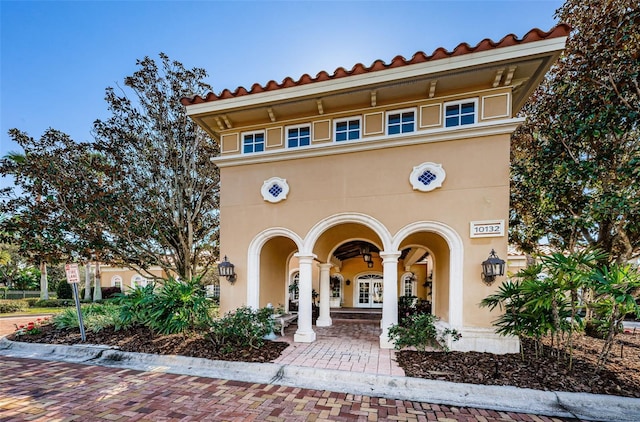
<point x="64" y="291"/>
<point x="411" y="305"/>
<point x="32" y="301"/>
<point x="135" y="306"/>
<point x="241" y="329"/>
<point x="110" y="292"/>
<point x="95" y="317"/>
<point x="8" y="306"/>
<point x="420" y="332"/>
<point x="180" y="306"/>
<point x="54" y="303"/>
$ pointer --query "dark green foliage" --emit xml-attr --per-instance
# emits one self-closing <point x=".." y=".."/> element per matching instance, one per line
<point x="575" y="162"/>
<point x="8" y="306"/>
<point x="96" y="317"/>
<point x="177" y="307"/>
<point x="244" y="328"/>
<point x="180" y="306"/>
<point x="419" y="331"/>
<point x="110" y="292"/>
<point x="64" y="291"/>
<point x="617" y="288"/>
<point x="136" y="306"/>
<point x="411" y="305"/>
<point x="54" y="303"/>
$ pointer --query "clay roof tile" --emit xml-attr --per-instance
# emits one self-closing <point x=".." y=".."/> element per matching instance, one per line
<point x="535" y="34"/>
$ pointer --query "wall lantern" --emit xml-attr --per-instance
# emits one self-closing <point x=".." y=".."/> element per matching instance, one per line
<point x="369" y="264"/>
<point x="227" y="269"/>
<point x="492" y="267"/>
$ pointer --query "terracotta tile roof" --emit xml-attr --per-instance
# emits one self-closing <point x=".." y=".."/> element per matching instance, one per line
<point x="560" y="30"/>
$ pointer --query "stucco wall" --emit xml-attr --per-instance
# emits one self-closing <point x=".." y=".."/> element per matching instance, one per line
<point x="376" y="183"/>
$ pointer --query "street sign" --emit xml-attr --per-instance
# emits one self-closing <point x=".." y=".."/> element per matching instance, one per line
<point x="73" y="278"/>
<point x="73" y="275"/>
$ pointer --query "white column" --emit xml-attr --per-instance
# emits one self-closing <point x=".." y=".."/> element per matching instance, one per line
<point x="305" y="333"/>
<point x="324" y="319"/>
<point x="389" y="295"/>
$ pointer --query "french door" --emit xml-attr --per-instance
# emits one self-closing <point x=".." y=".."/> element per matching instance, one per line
<point x="369" y="294"/>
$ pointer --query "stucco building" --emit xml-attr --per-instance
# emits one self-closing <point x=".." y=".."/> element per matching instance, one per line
<point x="376" y="182"/>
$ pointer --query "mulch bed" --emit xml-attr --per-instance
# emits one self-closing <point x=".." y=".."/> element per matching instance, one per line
<point x="143" y="340"/>
<point x="621" y="375"/>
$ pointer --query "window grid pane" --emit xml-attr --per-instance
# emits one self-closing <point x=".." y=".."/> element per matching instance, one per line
<point x="253" y="142"/>
<point x="298" y="137"/>
<point x="403" y="122"/>
<point x="347" y="130"/>
<point x="460" y="114"/>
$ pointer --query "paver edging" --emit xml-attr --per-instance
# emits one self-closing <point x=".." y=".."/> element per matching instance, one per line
<point x="502" y="398"/>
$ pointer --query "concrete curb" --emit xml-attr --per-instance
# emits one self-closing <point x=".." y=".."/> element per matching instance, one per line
<point x="512" y="399"/>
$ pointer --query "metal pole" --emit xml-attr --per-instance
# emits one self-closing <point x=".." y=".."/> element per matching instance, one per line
<point x="76" y="296"/>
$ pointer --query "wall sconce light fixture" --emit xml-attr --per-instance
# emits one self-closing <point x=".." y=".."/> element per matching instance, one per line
<point x="492" y="268"/>
<point x="227" y="269"/>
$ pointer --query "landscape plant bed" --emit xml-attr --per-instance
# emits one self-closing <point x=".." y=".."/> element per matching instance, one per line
<point x="142" y="340"/>
<point x="620" y="377"/>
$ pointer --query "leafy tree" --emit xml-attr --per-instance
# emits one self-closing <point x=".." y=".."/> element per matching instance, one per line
<point x="144" y="193"/>
<point x="576" y="159"/>
<point x="165" y="210"/>
<point x="52" y="211"/>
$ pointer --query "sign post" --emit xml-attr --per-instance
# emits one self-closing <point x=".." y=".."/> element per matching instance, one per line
<point x="73" y="278"/>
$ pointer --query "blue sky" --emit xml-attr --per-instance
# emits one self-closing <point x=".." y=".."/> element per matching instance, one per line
<point x="57" y="57"/>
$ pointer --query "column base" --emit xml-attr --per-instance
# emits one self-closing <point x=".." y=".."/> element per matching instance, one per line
<point x="308" y="337"/>
<point x="324" y="322"/>
<point x="385" y="342"/>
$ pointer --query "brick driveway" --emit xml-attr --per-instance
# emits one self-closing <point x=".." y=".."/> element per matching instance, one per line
<point x="57" y="391"/>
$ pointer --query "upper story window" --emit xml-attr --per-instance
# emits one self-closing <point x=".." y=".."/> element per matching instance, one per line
<point x="401" y="121"/>
<point x="252" y="142"/>
<point x="298" y="136"/>
<point x="347" y="129"/>
<point x="460" y="113"/>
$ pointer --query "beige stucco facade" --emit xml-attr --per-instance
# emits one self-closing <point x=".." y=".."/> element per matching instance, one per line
<point x="413" y="198"/>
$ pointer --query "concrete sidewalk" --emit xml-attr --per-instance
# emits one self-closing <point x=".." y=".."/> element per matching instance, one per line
<point x="503" y="399"/>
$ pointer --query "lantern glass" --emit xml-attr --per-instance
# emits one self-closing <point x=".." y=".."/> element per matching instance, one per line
<point x="226" y="268"/>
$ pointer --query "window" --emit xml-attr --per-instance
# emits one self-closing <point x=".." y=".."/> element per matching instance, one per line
<point x="298" y="136"/>
<point x="402" y="121"/>
<point x="116" y="281"/>
<point x="138" y="280"/>
<point x="293" y="287"/>
<point x="347" y="130"/>
<point x="409" y="285"/>
<point x="460" y="113"/>
<point x="212" y="290"/>
<point x="336" y="286"/>
<point x="252" y="142"/>
<point x="275" y="189"/>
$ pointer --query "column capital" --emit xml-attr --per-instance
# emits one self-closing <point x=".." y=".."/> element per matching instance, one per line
<point x="325" y="265"/>
<point x="305" y="258"/>
<point x="390" y="256"/>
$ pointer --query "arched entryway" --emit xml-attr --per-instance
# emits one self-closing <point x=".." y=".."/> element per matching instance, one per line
<point x="380" y="268"/>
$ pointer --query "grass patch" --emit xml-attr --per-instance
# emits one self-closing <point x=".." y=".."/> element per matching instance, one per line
<point x="33" y="311"/>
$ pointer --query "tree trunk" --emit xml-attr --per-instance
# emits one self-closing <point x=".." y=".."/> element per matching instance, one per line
<point x="87" y="281"/>
<point x="44" y="281"/>
<point x="97" y="287"/>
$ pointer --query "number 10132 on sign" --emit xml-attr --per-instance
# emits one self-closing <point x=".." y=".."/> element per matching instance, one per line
<point x="493" y="228"/>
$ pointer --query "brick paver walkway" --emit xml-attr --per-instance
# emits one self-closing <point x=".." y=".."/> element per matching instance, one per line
<point x="38" y="390"/>
<point x="348" y="345"/>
